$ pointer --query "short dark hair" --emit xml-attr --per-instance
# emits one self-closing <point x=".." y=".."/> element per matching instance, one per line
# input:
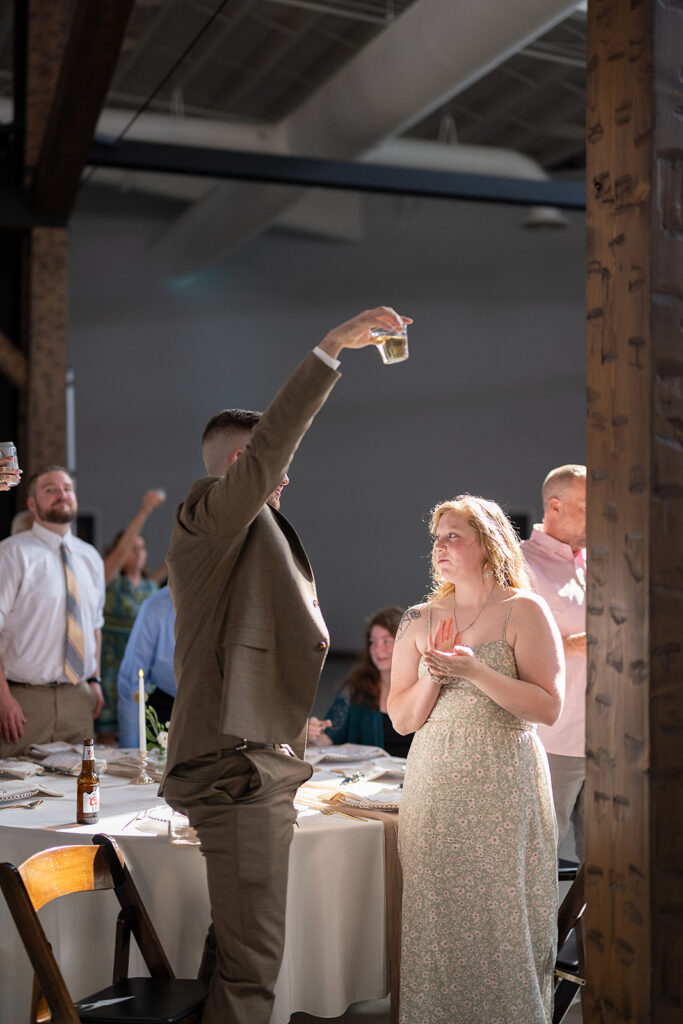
<point x="41" y="471"/>
<point x="231" y="419"/>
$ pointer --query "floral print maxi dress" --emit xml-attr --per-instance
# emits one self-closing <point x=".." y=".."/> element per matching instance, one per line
<point x="477" y="840"/>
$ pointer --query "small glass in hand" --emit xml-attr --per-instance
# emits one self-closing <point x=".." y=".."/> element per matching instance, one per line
<point x="392" y="343"/>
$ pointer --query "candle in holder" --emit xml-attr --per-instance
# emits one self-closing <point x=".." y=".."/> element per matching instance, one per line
<point x="142" y="743"/>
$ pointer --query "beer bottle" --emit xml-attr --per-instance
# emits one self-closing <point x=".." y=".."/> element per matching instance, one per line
<point x="88" y="788"/>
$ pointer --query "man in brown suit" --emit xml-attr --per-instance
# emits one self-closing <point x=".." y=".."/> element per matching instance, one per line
<point x="250" y="645"/>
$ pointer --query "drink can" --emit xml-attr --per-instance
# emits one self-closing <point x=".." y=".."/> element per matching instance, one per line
<point x="8" y="450"/>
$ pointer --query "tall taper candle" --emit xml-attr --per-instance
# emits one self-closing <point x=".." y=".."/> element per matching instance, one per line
<point x="142" y="743"/>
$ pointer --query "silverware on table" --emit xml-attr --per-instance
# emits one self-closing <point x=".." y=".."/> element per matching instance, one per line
<point x="28" y="807"/>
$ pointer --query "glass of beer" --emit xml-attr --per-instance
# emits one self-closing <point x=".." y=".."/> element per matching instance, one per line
<point x="392" y="343"/>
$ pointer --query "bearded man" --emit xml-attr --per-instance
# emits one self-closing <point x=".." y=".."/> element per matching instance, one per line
<point x="51" y="601"/>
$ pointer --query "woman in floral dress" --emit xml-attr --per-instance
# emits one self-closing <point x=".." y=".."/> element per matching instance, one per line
<point x="475" y="668"/>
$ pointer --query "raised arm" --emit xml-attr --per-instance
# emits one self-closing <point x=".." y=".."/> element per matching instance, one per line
<point x="232" y="501"/>
<point x="117" y="557"/>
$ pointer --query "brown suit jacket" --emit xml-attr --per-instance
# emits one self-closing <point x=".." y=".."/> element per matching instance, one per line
<point x="250" y="636"/>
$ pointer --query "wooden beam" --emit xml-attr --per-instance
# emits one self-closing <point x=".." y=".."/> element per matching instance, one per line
<point x="47" y="29"/>
<point x="13" y="363"/>
<point x="42" y="428"/>
<point x="634" y="782"/>
<point x="87" y="68"/>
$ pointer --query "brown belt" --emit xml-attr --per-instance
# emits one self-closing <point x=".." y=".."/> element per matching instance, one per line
<point x="34" y="686"/>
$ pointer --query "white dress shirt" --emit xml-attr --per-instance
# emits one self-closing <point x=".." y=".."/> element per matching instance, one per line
<point x="560" y="577"/>
<point x="33" y="604"/>
<point x="327" y="358"/>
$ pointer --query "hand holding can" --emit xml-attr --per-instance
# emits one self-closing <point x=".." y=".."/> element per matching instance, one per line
<point x="10" y="474"/>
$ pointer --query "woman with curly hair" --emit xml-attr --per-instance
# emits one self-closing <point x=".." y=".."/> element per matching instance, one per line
<point x="359" y="712"/>
<point x="475" y="668"/>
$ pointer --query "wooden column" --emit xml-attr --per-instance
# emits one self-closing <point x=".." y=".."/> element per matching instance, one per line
<point x="42" y="426"/>
<point x="42" y="411"/>
<point x="68" y="54"/>
<point x="47" y="28"/>
<point x="634" y="785"/>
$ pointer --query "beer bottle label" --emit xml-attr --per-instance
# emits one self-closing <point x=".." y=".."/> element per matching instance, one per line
<point x="91" y="802"/>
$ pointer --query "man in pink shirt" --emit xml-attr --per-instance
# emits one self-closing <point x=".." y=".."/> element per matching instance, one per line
<point x="556" y="555"/>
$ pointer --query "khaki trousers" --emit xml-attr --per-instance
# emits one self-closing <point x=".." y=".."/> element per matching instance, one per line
<point x="62" y="712"/>
<point x="241" y="804"/>
<point x="568" y="776"/>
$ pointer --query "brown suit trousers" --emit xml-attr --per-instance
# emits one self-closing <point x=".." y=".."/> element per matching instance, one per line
<point x="241" y="804"/>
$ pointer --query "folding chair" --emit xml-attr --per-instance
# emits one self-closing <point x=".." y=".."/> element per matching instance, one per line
<point x="159" y="999"/>
<point x="569" y="966"/>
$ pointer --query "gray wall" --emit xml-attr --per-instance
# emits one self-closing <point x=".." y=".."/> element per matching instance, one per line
<point x="491" y="398"/>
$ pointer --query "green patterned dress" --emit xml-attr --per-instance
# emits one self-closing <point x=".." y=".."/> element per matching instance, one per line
<point x="121" y="606"/>
<point x="477" y="840"/>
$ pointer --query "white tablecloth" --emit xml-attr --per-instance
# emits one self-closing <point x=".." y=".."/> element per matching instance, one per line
<point x="335" y="944"/>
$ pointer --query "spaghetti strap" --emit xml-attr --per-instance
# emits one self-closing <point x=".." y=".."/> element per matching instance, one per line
<point x="429" y="618"/>
<point x="507" y="618"/>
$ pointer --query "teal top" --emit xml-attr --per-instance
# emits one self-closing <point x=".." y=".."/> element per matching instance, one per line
<point x="357" y="723"/>
<point x="121" y="606"/>
<point x="354" y="723"/>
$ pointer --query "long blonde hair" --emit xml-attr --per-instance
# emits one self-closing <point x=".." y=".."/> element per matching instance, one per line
<point x="503" y="559"/>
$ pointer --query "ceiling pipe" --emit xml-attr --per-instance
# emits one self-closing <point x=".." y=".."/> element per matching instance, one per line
<point x="433" y="51"/>
<point x="486" y="160"/>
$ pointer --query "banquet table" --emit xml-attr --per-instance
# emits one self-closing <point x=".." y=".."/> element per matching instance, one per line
<point x="335" y="948"/>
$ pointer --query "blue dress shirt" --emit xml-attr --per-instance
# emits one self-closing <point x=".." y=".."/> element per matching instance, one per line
<point x="150" y="647"/>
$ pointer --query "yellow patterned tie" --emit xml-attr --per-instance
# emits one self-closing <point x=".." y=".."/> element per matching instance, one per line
<point x="74" y="650"/>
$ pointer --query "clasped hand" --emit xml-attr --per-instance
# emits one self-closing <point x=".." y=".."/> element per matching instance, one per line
<point x="446" y="655"/>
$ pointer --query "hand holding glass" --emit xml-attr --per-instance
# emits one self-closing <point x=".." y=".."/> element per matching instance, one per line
<point x="392" y="343"/>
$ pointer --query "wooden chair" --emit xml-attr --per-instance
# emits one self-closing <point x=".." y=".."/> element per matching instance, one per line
<point x="569" y="966"/>
<point x="159" y="999"/>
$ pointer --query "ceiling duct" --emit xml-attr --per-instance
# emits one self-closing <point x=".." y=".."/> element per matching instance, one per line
<point x="433" y="51"/>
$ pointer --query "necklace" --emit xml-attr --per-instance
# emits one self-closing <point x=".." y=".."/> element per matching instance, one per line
<point x="455" y="617"/>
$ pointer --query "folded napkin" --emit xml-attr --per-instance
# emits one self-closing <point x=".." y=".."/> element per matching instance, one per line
<point x="127" y="766"/>
<point x="67" y="758"/>
<point x="344" y="752"/>
<point x="19" y="769"/>
<point x="323" y="780"/>
<point x="181" y="833"/>
<point x="70" y="763"/>
<point x="382" y="800"/>
<point x="16" y="791"/>
<point x="41" y="750"/>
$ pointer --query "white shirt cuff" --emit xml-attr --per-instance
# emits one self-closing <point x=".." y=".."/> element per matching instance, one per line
<point x="333" y="363"/>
